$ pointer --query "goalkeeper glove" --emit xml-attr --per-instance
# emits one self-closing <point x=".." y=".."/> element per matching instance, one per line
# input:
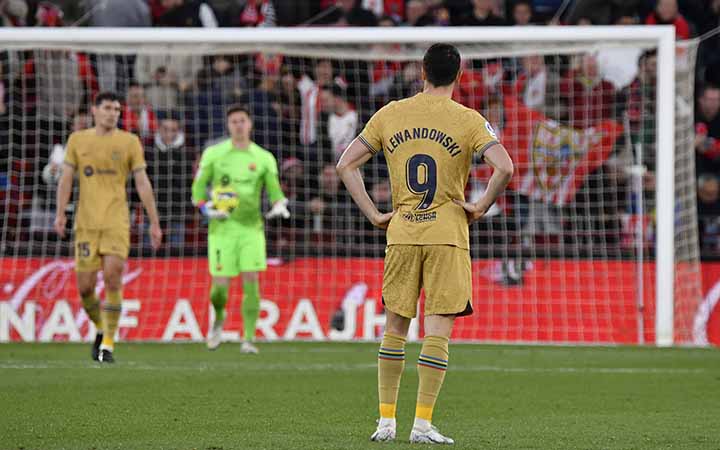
<point x="279" y="209"/>
<point x="207" y="210"/>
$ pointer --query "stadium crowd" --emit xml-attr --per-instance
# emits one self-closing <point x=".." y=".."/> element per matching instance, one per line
<point x="307" y="111"/>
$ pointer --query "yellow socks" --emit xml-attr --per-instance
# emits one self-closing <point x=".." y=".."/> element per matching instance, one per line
<point x="110" y="318"/>
<point x="391" y="362"/>
<point x="432" y="365"/>
<point x="92" y="308"/>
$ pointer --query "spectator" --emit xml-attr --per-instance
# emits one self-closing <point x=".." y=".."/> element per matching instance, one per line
<point x="708" y="209"/>
<point x="329" y="209"/>
<point x="640" y="101"/>
<point x="163" y="75"/>
<point x="418" y="14"/>
<point x="601" y="12"/>
<point x="263" y="101"/>
<point x="390" y="8"/>
<point x="538" y="87"/>
<point x="521" y="13"/>
<point x="43" y="204"/>
<point x="169" y="167"/>
<point x="289" y="100"/>
<point x="219" y="85"/>
<point x="63" y="80"/>
<point x="626" y="16"/>
<point x="343" y="122"/>
<point x="309" y="93"/>
<point x="620" y="65"/>
<point x="187" y="13"/>
<point x="706" y="17"/>
<point x="13" y="13"/>
<point x="666" y="13"/>
<point x="81" y="120"/>
<point x="407" y="83"/>
<point x="350" y="13"/>
<point x="114" y="70"/>
<point x="707" y="130"/>
<point x="295" y="189"/>
<point x="590" y="99"/>
<point x="138" y="116"/>
<point x="477" y="85"/>
<point x="119" y="13"/>
<point x="48" y="15"/>
<point x="383" y="72"/>
<point x="250" y="13"/>
<point x="481" y="15"/>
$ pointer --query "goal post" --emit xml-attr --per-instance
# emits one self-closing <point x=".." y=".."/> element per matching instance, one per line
<point x="370" y="45"/>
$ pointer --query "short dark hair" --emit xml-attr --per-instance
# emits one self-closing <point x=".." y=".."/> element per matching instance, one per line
<point x="647" y="54"/>
<point x="106" y="96"/>
<point x="339" y="91"/>
<point x="232" y="109"/>
<point x="168" y="115"/>
<point x="442" y="64"/>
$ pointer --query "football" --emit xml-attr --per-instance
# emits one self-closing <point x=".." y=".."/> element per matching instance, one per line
<point x="224" y="199"/>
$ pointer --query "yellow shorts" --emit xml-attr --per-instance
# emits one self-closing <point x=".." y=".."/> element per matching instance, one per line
<point x="444" y="271"/>
<point x="91" y="245"/>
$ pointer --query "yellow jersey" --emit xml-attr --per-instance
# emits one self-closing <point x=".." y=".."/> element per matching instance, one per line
<point x="103" y="164"/>
<point x="429" y="142"/>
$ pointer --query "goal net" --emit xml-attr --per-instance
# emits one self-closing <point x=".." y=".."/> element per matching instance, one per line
<point x="569" y="254"/>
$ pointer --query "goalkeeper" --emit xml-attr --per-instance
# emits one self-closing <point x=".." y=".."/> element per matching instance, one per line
<point x="236" y="170"/>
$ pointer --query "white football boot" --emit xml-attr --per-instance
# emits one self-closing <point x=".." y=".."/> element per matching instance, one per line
<point x="424" y="432"/>
<point x="215" y="335"/>
<point x="385" y="431"/>
<point x="248" y="347"/>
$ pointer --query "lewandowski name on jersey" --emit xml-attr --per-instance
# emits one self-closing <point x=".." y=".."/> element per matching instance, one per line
<point x="444" y="139"/>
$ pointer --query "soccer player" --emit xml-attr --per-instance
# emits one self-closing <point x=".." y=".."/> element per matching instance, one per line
<point x="236" y="240"/>
<point x="103" y="157"/>
<point x="429" y="143"/>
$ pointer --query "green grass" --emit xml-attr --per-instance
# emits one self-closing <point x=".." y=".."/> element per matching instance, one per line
<point x="323" y="396"/>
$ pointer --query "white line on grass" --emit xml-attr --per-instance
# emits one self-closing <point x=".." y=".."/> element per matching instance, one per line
<point x="336" y="367"/>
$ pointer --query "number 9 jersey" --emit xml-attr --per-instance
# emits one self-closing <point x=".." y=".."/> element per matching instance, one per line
<point x="429" y="144"/>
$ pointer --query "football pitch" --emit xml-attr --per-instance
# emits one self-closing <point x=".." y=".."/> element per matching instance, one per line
<point x="323" y="396"/>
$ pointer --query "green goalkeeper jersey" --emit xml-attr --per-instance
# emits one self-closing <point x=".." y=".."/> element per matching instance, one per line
<point x="244" y="171"/>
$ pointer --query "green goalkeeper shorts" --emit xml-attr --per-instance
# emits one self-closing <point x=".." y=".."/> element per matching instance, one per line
<point x="229" y="255"/>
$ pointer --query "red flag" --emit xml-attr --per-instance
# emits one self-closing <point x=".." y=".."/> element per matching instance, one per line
<point x="553" y="160"/>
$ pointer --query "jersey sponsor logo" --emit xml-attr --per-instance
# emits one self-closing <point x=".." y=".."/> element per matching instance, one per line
<point x="88" y="171"/>
<point x="107" y="172"/>
<point x="490" y="130"/>
<point x="431" y="134"/>
<point x="420" y="217"/>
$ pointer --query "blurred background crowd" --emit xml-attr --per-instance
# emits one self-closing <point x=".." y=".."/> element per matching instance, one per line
<point x="307" y="110"/>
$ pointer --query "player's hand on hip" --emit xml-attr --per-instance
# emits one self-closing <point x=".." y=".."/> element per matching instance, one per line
<point x="382" y="220"/>
<point x="59" y="225"/>
<point x="207" y="210"/>
<point x="279" y="209"/>
<point x="473" y="211"/>
<point x="155" y="236"/>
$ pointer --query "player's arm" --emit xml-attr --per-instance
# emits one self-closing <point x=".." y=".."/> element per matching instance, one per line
<point x="65" y="183"/>
<point x="348" y="169"/>
<point x="497" y="157"/>
<point x="64" y="190"/>
<point x="145" y="192"/>
<point x="202" y="179"/>
<point x="272" y="187"/>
